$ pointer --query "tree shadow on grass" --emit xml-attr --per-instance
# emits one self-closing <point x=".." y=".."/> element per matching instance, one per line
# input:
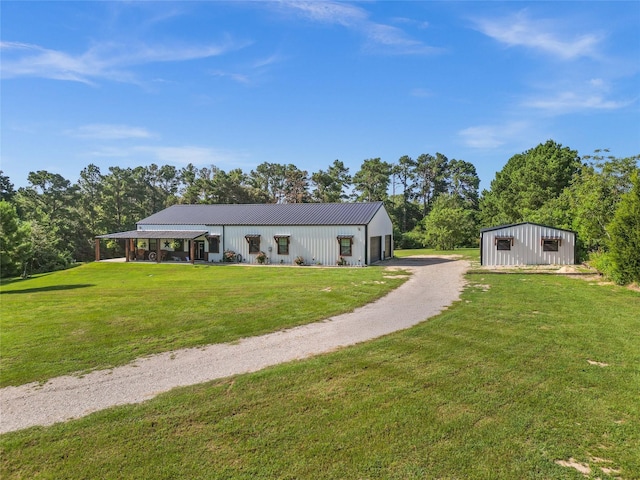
<point x="48" y="289"/>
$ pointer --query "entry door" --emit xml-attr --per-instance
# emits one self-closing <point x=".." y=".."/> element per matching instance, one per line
<point x="376" y="249"/>
<point x="199" y="250"/>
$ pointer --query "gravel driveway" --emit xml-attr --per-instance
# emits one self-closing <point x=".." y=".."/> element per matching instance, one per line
<point x="436" y="283"/>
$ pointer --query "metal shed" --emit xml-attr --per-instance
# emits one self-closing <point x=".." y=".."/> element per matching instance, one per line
<point x="527" y="244"/>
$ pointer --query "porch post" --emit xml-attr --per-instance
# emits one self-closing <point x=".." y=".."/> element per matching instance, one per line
<point x="97" y="249"/>
<point x="158" y="245"/>
<point x="192" y="251"/>
<point x="126" y="249"/>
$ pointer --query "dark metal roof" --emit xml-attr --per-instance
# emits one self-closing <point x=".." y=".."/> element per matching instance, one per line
<point x="266" y="214"/>
<point x="500" y="227"/>
<point x="184" y="234"/>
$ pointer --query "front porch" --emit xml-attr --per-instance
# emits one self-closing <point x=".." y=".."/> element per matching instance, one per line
<point x="157" y="245"/>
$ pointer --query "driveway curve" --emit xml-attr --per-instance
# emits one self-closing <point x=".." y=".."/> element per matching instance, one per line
<point x="435" y="284"/>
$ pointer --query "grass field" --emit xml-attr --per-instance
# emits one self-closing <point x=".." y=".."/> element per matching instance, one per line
<point x="524" y="373"/>
<point x="106" y="314"/>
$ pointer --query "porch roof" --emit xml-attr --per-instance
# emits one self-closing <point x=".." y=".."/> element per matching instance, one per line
<point x="182" y="234"/>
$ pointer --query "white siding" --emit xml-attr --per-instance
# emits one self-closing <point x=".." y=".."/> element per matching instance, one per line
<point x="315" y="244"/>
<point x="527" y="246"/>
<point x="380" y="226"/>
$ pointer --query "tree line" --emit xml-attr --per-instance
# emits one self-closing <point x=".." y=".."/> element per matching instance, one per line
<point x="433" y="201"/>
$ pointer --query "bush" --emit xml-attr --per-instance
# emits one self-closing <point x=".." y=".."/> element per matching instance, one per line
<point x="624" y="229"/>
<point x="412" y="239"/>
<point x="604" y="264"/>
<point x="229" y="256"/>
<point x="261" y="258"/>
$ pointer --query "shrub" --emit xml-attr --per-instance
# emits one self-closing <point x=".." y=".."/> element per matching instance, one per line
<point x="261" y="258"/>
<point x="604" y="264"/>
<point x="229" y="256"/>
<point x="624" y="247"/>
<point x="299" y="260"/>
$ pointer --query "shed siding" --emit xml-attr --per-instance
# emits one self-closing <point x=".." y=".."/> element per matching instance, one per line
<point x="527" y="246"/>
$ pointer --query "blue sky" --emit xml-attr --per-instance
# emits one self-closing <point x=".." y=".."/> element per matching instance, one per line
<point x="235" y="84"/>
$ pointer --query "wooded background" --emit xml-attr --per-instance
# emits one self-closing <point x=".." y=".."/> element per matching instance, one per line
<point x="433" y="202"/>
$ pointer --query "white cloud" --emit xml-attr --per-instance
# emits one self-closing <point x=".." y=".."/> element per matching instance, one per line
<point x="412" y="22"/>
<point x="593" y="94"/>
<point x="565" y="102"/>
<point x="329" y="12"/>
<point x="378" y="35"/>
<point x="492" y="136"/>
<point x="180" y="155"/>
<point x="110" y="132"/>
<point x="238" y="77"/>
<point x="102" y="61"/>
<point x="199" y="156"/>
<point x="520" y="30"/>
<point x="252" y="73"/>
<point x="396" y="39"/>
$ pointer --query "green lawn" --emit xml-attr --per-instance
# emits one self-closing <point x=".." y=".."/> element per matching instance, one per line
<point x="105" y="314"/>
<point x="499" y="386"/>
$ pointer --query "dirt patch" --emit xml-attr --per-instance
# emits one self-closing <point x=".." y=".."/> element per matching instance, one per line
<point x="599" y="364"/>
<point x="568" y="269"/>
<point x="634" y="286"/>
<point x="573" y="463"/>
<point x="607" y="470"/>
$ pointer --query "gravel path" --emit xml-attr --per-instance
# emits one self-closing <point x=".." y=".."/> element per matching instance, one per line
<point x="435" y="284"/>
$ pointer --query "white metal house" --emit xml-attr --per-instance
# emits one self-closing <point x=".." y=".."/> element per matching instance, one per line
<point x="527" y="244"/>
<point x="319" y="233"/>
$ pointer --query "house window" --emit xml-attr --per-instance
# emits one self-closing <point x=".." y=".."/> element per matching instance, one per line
<point x="283" y="244"/>
<point x="346" y="244"/>
<point x="214" y="244"/>
<point x="254" y="243"/>
<point x="550" y="245"/>
<point x="503" y="244"/>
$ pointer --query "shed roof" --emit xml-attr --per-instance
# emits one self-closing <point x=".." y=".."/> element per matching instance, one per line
<point x="266" y="214"/>
<point x="500" y="227"/>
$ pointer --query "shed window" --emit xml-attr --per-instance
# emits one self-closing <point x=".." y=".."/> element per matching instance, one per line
<point x="346" y="245"/>
<point x="550" y="245"/>
<point x="282" y="241"/>
<point x="503" y="244"/>
<point x="254" y="243"/>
